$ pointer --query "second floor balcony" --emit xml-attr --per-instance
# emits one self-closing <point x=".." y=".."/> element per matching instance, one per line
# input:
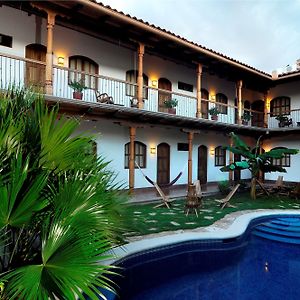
<point x="24" y="72"/>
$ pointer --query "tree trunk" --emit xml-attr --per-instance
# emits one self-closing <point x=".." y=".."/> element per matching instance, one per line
<point x="253" y="188"/>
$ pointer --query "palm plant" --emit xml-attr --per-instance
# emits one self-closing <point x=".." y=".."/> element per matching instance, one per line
<point x="60" y="210"/>
<point x="254" y="160"/>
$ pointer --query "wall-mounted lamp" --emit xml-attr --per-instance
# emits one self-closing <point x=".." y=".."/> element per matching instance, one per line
<point x="153" y="150"/>
<point x="61" y="61"/>
<point x="213" y="97"/>
<point x="154" y="83"/>
<point x="212" y="151"/>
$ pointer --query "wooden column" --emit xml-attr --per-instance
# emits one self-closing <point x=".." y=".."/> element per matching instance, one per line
<point x="132" y="133"/>
<point x="199" y="75"/>
<point x="239" y="85"/>
<point x="231" y="160"/>
<point x="49" y="55"/>
<point x="266" y="109"/>
<point x="141" y="51"/>
<point x="190" y="158"/>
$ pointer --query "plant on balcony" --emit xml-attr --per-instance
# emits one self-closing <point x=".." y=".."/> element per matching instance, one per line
<point x="214" y="112"/>
<point x="282" y="120"/>
<point x="60" y="209"/>
<point x="254" y="161"/>
<point x="78" y="87"/>
<point x="246" y="117"/>
<point x="171" y="105"/>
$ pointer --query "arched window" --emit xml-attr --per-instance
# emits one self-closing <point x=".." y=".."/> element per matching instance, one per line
<point x="83" y="65"/>
<point x="220" y="156"/>
<point x="280" y="106"/>
<point x="204" y="94"/>
<point x="221" y="98"/>
<point x="285" y="161"/>
<point x="140" y="151"/>
<point x="131" y="89"/>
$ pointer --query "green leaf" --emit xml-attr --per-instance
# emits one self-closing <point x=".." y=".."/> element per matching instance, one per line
<point x="239" y="143"/>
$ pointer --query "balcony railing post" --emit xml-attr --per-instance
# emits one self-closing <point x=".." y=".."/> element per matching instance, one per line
<point x="239" y="85"/>
<point x="199" y="75"/>
<point x="49" y="55"/>
<point x="141" y="51"/>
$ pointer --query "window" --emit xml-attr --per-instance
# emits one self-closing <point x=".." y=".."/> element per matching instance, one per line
<point x="131" y="89"/>
<point x="139" y="154"/>
<point x="221" y="98"/>
<point x="220" y="156"/>
<point x="185" y="86"/>
<point x="183" y="147"/>
<point x="83" y="65"/>
<point x="5" y="40"/>
<point x="280" y="106"/>
<point x="282" y="162"/>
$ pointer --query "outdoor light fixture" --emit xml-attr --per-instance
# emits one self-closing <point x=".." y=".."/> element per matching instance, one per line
<point x="212" y="151"/>
<point x="154" y="83"/>
<point x="60" y="61"/>
<point x="213" y="97"/>
<point x="153" y="150"/>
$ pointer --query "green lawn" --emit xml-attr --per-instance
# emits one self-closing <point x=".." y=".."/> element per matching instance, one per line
<point x="147" y="219"/>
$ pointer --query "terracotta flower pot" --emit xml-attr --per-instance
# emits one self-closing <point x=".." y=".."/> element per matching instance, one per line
<point x="77" y="95"/>
<point x="244" y="122"/>
<point x="214" y="117"/>
<point x="172" y="111"/>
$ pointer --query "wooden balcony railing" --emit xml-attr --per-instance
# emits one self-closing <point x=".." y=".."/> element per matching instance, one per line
<point x="30" y="73"/>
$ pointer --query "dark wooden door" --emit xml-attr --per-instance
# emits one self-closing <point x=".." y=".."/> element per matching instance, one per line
<point x="164" y="84"/>
<point x="202" y="164"/>
<point x="204" y="104"/>
<point x="237" y="173"/>
<point x="163" y="163"/>
<point x="258" y="116"/>
<point x="35" y="73"/>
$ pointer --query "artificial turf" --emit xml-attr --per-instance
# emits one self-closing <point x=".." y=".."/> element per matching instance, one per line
<point x="146" y="219"/>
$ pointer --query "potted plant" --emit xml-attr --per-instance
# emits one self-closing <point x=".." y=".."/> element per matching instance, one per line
<point x="214" y="112"/>
<point x="282" y="120"/>
<point x="171" y="105"/>
<point x="78" y="87"/>
<point x="246" y="117"/>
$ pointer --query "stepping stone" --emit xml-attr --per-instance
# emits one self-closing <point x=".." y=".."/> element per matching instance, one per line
<point x="206" y="210"/>
<point x="208" y="217"/>
<point x="137" y="212"/>
<point x="152" y="229"/>
<point x="168" y="213"/>
<point x="174" y="223"/>
<point x="190" y="223"/>
<point x="152" y="214"/>
<point x="151" y="221"/>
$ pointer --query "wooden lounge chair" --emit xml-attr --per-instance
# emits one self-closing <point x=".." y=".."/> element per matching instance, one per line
<point x="104" y="98"/>
<point x="295" y="193"/>
<point x="225" y="202"/>
<point x="278" y="185"/>
<point x="198" y="191"/>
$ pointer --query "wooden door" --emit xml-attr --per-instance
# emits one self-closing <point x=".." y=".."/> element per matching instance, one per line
<point x="204" y="104"/>
<point x="237" y="173"/>
<point x="35" y="73"/>
<point x="164" y="84"/>
<point x="163" y="163"/>
<point x="202" y="164"/>
<point x="258" y="117"/>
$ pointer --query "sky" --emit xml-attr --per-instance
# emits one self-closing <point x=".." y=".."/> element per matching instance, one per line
<point x="264" y="34"/>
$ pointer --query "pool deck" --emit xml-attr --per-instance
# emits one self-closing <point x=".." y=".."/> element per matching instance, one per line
<point x="232" y="225"/>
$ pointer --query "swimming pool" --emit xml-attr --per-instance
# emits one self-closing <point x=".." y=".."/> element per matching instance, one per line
<point x="263" y="263"/>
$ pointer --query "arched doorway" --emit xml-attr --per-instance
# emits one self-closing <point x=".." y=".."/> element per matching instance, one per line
<point x="35" y="73"/>
<point x="258" y="117"/>
<point x="237" y="173"/>
<point x="163" y="163"/>
<point x="204" y="104"/>
<point x="202" y="164"/>
<point x="164" y="84"/>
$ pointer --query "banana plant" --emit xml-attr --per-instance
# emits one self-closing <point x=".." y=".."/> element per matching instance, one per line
<point x="255" y="161"/>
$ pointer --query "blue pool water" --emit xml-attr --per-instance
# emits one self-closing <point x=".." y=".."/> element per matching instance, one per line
<point x="263" y="264"/>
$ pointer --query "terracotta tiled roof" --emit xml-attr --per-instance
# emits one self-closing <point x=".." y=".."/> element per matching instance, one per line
<point x="182" y="38"/>
<point x="293" y="73"/>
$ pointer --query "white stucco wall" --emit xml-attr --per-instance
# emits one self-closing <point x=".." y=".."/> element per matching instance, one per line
<point x="289" y="141"/>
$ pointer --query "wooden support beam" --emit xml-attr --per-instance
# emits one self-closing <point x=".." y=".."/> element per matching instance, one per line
<point x="190" y="158"/>
<point x="132" y="133"/>
<point x="231" y="160"/>
<point x="49" y="55"/>
<point x="266" y="109"/>
<point x="239" y="101"/>
<point x="199" y="76"/>
<point x="140" y="83"/>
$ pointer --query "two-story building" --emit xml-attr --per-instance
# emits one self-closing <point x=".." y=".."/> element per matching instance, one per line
<point x="159" y="91"/>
